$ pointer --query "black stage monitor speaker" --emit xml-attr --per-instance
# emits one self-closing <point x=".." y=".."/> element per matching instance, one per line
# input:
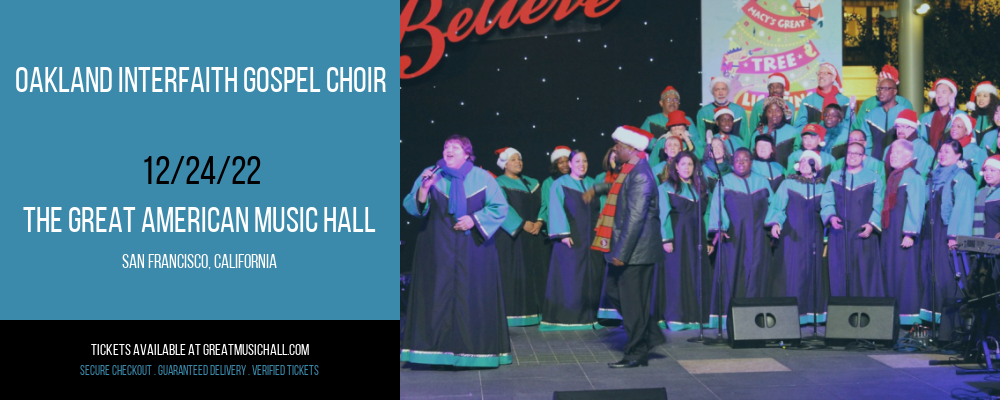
<point x="620" y="394"/>
<point x="754" y="322"/>
<point x="865" y="318"/>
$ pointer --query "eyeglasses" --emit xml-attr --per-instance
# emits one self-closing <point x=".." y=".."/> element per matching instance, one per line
<point x="855" y="154"/>
<point x="672" y="100"/>
<point x="824" y="74"/>
<point x="832" y="115"/>
<point x="883" y="89"/>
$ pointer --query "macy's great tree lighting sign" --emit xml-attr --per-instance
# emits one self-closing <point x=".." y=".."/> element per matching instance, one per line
<point x="750" y="39"/>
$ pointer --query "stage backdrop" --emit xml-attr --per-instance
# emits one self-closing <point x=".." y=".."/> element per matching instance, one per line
<point x="569" y="82"/>
<point x="747" y="40"/>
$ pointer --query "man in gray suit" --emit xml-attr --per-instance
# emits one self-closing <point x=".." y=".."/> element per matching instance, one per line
<point x="628" y="232"/>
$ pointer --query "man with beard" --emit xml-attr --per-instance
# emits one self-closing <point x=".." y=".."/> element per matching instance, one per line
<point x="670" y="101"/>
<point x="877" y="122"/>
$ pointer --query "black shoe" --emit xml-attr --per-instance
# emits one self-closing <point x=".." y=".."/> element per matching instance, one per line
<point x="630" y="363"/>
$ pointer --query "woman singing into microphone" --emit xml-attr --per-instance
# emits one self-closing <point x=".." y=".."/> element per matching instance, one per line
<point x="456" y="313"/>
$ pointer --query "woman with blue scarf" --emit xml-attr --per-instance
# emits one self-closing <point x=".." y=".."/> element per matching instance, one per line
<point x="456" y="313"/>
<point x="952" y="194"/>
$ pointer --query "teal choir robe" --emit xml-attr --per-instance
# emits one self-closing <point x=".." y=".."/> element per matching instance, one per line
<point x="730" y="143"/>
<point x="902" y="265"/>
<point x="828" y="163"/>
<point x="924" y="126"/>
<point x="770" y="170"/>
<point x="984" y="123"/>
<point x="786" y="141"/>
<point x="974" y="156"/>
<point x="658" y="169"/>
<point x="940" y="289"/>
<point x="797" y="268"/>
<point x="678" y="278"/>
<point x="922" y="152"/>
<point x="869" y="163"/>
<point x="879" y="127"/>
<point x="705" y="120"/>
<point x="456" y="279"/>
<point x="836" y="140"/>
<point x="870" y="104"/>
<point x="524" y="258"/>
<point x="857" y="200"/>
<point x="811" y="109"/>
<point x="757" y="114"/>
<point x="739" y="206"/>
<point x="573" y="291"/>
<point x="989" y="142"/>
<point x="656" y="145"/>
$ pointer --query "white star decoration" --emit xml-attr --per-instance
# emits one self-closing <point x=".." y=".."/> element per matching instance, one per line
<point x="784" y="7"/>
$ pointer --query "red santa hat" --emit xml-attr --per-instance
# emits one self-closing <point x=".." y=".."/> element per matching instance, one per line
<point x="717" y="79"/>
<point x="810" y="155"/>
<point x="889" y="72"/>
<point x="632" y="136"/>
<point x="504" y="155"/>
<point x="993" y="161"/>
<point x="907" y="117"/>
<point x="778" y="77"/>
<point x="669" y="90"/>
<point x="723" y="110"/>
<point x="984" y="86"/>
<point x="836" y="74"/>
<point x="677" y="118"/>
<point x="559" y="152"/>
<point x="815" y="129"/>
<point x="947" y="82"/>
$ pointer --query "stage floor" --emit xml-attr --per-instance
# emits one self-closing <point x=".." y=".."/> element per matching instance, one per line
<point x="577" y="360"/>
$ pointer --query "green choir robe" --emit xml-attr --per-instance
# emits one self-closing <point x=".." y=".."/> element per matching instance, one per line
<point x="989" y="142"/>
<point x="870" y="104"/>
<point x="543" y="213"/>
<point x="871" y="164"/>
<point x="984" y="123"/>
<point x="770" y="170"/>
<point x="975" y="156"/>
<point x="456" y="278"/>
<point x="514" y="222"/>
<point x="827" y="162"/>
<point x="705" y="119"/>
<point x="811" y="109"/>
<point x="836" y="140"/>
<point x="786" y="141"/>
<point x="879" y="127"/>
<point x="656" y="145"/>
<point x="861" y="178"/>
<point x="922" y="152"/>
<point x="924" y="126"/>
<point x="757" y="114"/>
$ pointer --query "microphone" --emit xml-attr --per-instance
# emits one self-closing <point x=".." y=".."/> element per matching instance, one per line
<point x="433" y="171"/>
<point x="812" y="164"/>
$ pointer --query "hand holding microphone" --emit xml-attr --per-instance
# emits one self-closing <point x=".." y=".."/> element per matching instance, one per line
<point x="426" y="180"/>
